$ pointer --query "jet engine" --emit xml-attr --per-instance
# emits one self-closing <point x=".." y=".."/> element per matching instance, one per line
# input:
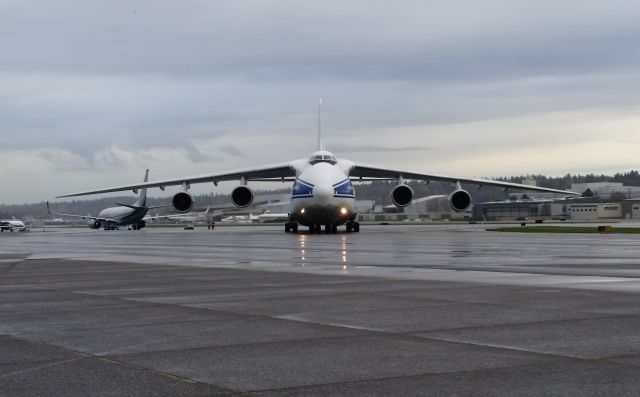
<point x="182" y="202"/>
<point x="94" y="224"/>
<point x="402" y="195"/>
<point x="460" y="200"/>
<point x="242" y="196"/>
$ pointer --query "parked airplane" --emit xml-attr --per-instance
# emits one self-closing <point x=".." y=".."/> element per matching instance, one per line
<point x="249" y="218"/>
<point x="124" y="214"/>
<point x="322" y="192"/>
<point x="190" y="217"/>
<point x="269" y="216"/>
<point x="13" y="225"/>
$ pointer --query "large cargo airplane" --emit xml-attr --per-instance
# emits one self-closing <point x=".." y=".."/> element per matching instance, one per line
<point x="322" y="193"/>
<point x="121" y="215"/>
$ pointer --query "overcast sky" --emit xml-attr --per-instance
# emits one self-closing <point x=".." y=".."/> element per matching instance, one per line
<point x="93" y="92"/>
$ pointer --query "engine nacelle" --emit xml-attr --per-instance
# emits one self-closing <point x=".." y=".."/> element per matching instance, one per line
<point x="402" y="195"/>
<point x="242" y="196"/>
<point x="182" y="202"/>
<point x="94" y="224"/>
<point x="460" y="200"/>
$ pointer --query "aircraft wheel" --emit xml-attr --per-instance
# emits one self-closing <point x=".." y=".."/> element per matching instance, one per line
<point x="334" y="228"/>
<point x="294" y="228"/>
<point x="312" y="229"/>
<point x="318" y="228"/>
<point x="356" y="227"/>
<point x="327" y="228"/>
<point x="287" y="227"/>
<point x="349" y="227"/>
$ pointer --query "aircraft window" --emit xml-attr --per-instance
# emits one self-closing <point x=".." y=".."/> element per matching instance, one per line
<point x="344" y="188"/>
<point x="319" y="158"/>
<point x="301" y="189"/>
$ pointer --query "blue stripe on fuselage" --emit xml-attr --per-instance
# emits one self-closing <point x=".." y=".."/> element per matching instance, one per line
<point x="344" y="188"/>
<point x="301" y="189"/>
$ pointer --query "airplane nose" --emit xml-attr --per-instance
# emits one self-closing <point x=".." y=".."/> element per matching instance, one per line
<point x="323" y="193"/>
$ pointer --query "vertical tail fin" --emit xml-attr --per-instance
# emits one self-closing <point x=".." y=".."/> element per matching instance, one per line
<point x="320" y="127"/>
<point x="142" y="196"/>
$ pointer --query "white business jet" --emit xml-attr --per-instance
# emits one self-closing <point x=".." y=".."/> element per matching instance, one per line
<point x="322" y="192"/>
<point x="13" y="224"/>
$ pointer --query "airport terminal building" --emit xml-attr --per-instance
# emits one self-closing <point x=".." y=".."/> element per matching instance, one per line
<point x="520" y="210"/>
<point x="584" y="209"/>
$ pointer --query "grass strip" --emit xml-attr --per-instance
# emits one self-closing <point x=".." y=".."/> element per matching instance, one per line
<point x="565" y="229"/>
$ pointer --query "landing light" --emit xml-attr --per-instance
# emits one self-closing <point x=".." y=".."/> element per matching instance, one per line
<point x="302" y="211"/>
<point x="343" y="211"/>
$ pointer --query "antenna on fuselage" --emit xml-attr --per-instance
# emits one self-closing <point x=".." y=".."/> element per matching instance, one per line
<point x="320" y="128"/>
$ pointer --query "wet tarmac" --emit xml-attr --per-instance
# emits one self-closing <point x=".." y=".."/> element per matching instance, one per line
<point x="411" y="310"/>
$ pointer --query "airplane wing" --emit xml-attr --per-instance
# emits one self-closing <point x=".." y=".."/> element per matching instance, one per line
<point x="360" y="170"/>
<point x="270" y="172"/>
<point x="95" y="218"/>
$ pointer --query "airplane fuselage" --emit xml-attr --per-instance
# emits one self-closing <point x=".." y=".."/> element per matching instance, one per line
<point x="123" y="215"/>
<point x="14" y="225"/>
<point x="322" y="194"/>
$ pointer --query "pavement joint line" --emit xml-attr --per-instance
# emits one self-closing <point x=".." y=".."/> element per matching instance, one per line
<point x="631" y="355"/>
<point x="249" y="344"/>
<point x="161" y="268"/>
<point x="49" y="311"/>
<point x="412" y="335"/>
<point x="522" y="350"/>
<point x="440" y="302"/>
<point x="51" y="364"/>
<point x="204" y="310"/>
<point x="85" y="355"/>
<point x="334" y="325"/>
<point x="413" y="269"/>
<point x="514" y="269"/>
<point x="374" y="277"/>
<point x="375" y="334"/>
<point x="599" y="316"/>
<point x="12" y="266"/>
<point x="412" y="376"/>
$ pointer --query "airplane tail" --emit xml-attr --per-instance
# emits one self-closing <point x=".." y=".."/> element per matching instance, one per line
<point x="142" y="196"/>
<point x="320" y="127"/>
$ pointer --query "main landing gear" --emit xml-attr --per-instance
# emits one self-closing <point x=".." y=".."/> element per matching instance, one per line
<point x="353" y="226"/>
<point x="291" y="227"/>
<point x="330" y="228"/>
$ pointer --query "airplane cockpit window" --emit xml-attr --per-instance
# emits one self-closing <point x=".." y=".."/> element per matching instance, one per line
<point x="322" y="157"/>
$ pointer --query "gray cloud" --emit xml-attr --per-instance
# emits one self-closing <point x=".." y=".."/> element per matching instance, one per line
<point x="370" y="148"/>
<point x="92" y="85"/>
<point x="231" y="150"/>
